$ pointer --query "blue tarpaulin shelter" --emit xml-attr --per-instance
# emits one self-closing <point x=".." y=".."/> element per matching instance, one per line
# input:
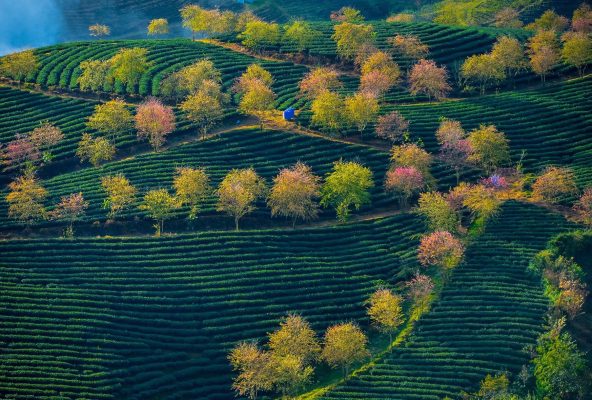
<point x="289" y="114"/>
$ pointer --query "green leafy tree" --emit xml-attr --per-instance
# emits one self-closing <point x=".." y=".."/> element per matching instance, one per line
<point x="192" y="185"/>
<point x="489" y="148"/>
<point x="18" y="65"/>
<point x="128" y="66"/>
<point x="95" y="150"/>
<point x="121" y="194"/>
<point x="295" y="338"/>
<point x="160" y="205"/>
<point x="577" y="50"/>
<point x="95" y="74"/>
<point x="203" y="110"/>
<point x="328" y="111"/>
<point x="350" y="38"/>
<point x="345" y="345"/>
<point x="111" y="118"/>
<point x="301" y="34"/>
<point x="385" y="309"/>
<point x="192" y="77"/>
<point x="159" y="26"/>
<point x="258" y="100"/>
<point x="259" y="35"/>
<point x="25" y="200"/>
<point x="361" y="110"/>
<point x="238" y="192"/>
<point x="483" y="70"/>
<point x="345" y="187"/>
<point x="438" y="212"/>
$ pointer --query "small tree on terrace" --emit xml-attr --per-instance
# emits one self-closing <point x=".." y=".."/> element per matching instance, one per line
<point x="154" y="121"/>
<point x="111" y="118"/>
<point x="385" y="310"/>
<point x="411" y="155"/>
<point x="509" y="54"/>
<point x="429" y="79"/>
<point x="192" y="185"/>
<point x="346" y="186"/>
<point x="18" y="65"/>
<point x="404" y="182"/>
<point x="554" y="184"/>
<point x="442" y="250"/>
<point x="543" y="50"/>
<point x="25" y="200"/>
<point x="582" y="19"/>
<point x="128" y="65"/>
<point x="204" y="110"/>
<point x="160" y="206"/>
<point x="159" y="26"/>
<point x="350" y="38"/>
<point x="344" y="345"/>
<point x="194" y="18"/>
<point x="120" y="194"/>
<point x="583" y="207"/>
<point x="238" y="192"/>
<point x="347" y="14"/>
<point x="319" y="80"/>
<point x="508" y="17"/>
<point x="70" y="209"/>
<point x="494" y="387"/>
<point x="483" y="70"/>
<point x="193" y="76"/>
<point x="419" y="291"/>
<point x="489" y="148"/>
<point x="455" y="149"/>
<point x="328" y="111"/>
<point x="290" y="374"/>
<point x="295" y="338"/>
<point x="294" y="194"/>
<point x="99" y="30"/>
<point x="410" y="47"/>
<point x="577" y="50"/>
<point x="21" y="153"/>
<point x="438" y="212"/>
<point x="254" y="370"/>
<point x="254" y="72"/>
<point x="259" y="35"/>
<point x="95" y="73"/>
<point x="361" y="110"/>
<point x="392" y="127"/>
<point x="382" y="63"/>
<point x="549" y="21"/>
<point x="95" y="150"/>
<point x="45" y="137"/>
<point x="301" y="35"/>
<point x="258" y="100"/>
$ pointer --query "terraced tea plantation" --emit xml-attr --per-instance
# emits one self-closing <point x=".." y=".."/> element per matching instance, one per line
<point x="140" y="318"/>
<point x="60" y="65"/>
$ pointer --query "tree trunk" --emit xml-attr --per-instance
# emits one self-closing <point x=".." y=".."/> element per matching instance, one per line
<point x="236" y="224"/>
<point x="294" y="223"/>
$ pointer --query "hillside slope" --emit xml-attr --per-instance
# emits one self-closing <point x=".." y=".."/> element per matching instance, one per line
<point x="488" y="312"/>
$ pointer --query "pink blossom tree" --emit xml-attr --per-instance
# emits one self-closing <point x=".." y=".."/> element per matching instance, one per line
<point x="429" y="79"/>
<point x="404" y="182"/>
<point x="440" y="249"/>
<point x="70" y="209"/>
<point x="21" y="153"/>
<point x="154" y="121"/>
<point x="392" y="126"/>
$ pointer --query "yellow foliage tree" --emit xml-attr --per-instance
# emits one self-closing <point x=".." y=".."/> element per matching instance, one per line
<point x="120" y="193"/>
<point x="386" y="311"/>
<point x="238" y="192"/>
<point x="344" y="345"/>
<point x="25" y="200"/>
